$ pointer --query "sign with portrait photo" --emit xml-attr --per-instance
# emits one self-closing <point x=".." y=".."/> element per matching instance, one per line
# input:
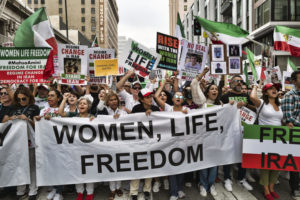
<point x="234" y="50"/>
<point x="218" y="68"/>
<point x="192" y="61"/>
<point x="72" y="60"/>
<point x="217" y="52"/>
<point x="234" y="65"/>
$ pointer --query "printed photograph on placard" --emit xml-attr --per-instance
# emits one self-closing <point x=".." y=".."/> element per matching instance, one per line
<point x="217" y="52"/>
<point x="218" y="68"/>
<point x="72" y="65"/>
<point x="234" y="65"/>
<point x="234" y="50"/>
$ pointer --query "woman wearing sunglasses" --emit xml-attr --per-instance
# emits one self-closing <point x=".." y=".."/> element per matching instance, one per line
<point x="6" y="97"/>
<point x="175" y="181"/>
<point x="25" y="109"/>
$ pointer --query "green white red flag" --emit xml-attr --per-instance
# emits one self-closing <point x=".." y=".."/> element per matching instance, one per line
<point x="179" y="28"/>
<point x="36" y="31"/>
<point x="291" y="66"/>
<point x="95" y="42"/>
<point x="224" y="33"/>
<point x="287" y="39"/>
<point x="250" y="57"/>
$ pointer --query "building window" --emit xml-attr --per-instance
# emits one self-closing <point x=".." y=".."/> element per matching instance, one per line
<point x="83" y="28"/>
<point x="185" y="7"/>
<point x="35" y="9"/>
<point x="93" y="37"/>
<point x="185" y="1"/>
<point x="262" y="14"/>
<point x="82" y="2"/>
<point x="29" y="1"/>
<point x="93" y="11"/>
<point x="36" y="1"/>
<point x="92" y="1"/>
<point x="60" y="2"/>
<point x="281" y="9"/>
<point x="82" y="10"/>
<point x="82" y="19"/>
<point x="60" y="10"/>
<point x="93" y="28"/>
<point x="93" y="20"/>
<point x="295" y="10"/>
<point x="42" y="1"/>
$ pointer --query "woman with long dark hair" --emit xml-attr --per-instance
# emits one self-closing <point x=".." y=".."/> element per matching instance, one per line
<point x="270" y="113"/>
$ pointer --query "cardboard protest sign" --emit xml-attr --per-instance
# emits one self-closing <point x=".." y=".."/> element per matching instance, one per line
<point x="97" y="54"/>
<point x="167" y="46"/>
<point x="138" y="57"/>
<point x="72" y="61"/>
<point x="247" y="115"/>
<point x="106" y="67"/>
<point x="286" y="81"/>
<point x="271" y="147"/>
<point x="192" y="61"/>
<point x="22" y="65"/>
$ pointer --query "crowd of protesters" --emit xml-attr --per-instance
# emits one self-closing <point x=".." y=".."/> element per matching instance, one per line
<point x="126" y="96"/>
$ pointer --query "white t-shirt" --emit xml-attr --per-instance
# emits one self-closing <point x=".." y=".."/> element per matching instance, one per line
<point x="117" y="111"/>
<point x="170" y="108"/>
<point x="128" y="98"/>
<point x="268" y="115"/>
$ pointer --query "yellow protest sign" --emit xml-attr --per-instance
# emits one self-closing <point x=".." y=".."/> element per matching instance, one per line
<point x="205" y="34"/>
<point x="106" y="67"/>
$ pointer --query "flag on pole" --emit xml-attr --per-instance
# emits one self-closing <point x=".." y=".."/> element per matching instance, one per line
<point x="36" y="31"/>
<point x="179" y="28"/>
<point x="95" y="42"/>
<point x="246" y="73"/>
<point x="223" y="32"/>
<point x="291" y="66"/>
<point x="287" y="39"/>
<point x="250" y="57"/>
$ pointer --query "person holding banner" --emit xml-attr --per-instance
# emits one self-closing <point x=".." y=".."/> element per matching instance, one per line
<point x="291" y="108"/>
<point x="130" y="99"/>
<point x="146" y="100"/>
<point x="25" y="109"/>
<point x="236" y="95"/>
<point x="112" y="102"/>
<point x="6" y="96"/>
<point x="269" y="113"/>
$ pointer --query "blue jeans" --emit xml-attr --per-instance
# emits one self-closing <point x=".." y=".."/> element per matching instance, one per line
<point x="208" y="177"/>
<point x="241" y="172"/>
<point x="175" y="184"/>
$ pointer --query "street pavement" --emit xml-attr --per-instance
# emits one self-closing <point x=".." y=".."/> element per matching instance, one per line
<point x="239" y="193"/>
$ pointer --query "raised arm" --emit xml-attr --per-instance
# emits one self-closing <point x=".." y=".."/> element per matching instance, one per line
<point x="61" y="108"/>
<point x="254" y="98"/>
<point x="156" y="96"/>
<point x="121" y="83"/>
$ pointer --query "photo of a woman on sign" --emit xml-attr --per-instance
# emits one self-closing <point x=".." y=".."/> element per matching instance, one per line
<point x="72" y="66"/>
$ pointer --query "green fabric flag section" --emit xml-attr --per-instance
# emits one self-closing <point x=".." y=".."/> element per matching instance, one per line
<point x="288" y="31"/>
<point x="24" y="36"/>
<point x="246" y="74"/>
<point x="291" y="65"/>
<point x="180" y="25"/>
<point x="275" y="133"/>
<point x="250" y="57"/>
<point x="220" y="27"/>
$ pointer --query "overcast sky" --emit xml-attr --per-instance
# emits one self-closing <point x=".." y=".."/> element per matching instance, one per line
<point x="141" y="19"/>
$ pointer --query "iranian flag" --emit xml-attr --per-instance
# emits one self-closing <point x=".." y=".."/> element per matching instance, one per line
<point x="271" y="147"/>
<point x="250" y="57"/>
<point x="36" y="31"/>
<point x="287" y="39"/>
<point x="291" y="66"/>
<point x="224" y="33"/>
<point x="95" y="42"/>
<point x="179" y="28"/>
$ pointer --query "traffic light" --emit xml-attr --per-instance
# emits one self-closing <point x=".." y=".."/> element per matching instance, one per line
<point x="197" y="27"/>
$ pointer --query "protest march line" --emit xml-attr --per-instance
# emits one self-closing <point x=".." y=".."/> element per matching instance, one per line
<point x="77" y="150"/>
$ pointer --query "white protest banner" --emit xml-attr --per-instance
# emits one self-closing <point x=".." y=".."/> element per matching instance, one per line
<point x="98" y="54"/>
<point x="247" y="115"/>
<point x="73" y="65"/>
<point x="138" y="57"/>
<point x="136" y="146"/>
<point x="276" y="75"/>
<point x="22" y="65"/>
<point x="14" y="156"/>
<point x="286" y="81"/>
<point x="192" y="60"/>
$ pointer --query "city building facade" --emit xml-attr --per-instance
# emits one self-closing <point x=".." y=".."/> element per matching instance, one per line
<point x="91" y="17"/>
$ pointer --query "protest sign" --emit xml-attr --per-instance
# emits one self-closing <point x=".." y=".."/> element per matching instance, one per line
<point x="136" y="146"/>
<point x="192" y="61"/>
<point x="271" y="147"/>
<point x="72" y="60"/>
<point x="247" y="115"/>
<point x="138" y="57"/>
<point x="22" y="65"/>
<point x="14" y="159"/>
<point x="286" y="81"/>
<point x="106" y="67"/>
<point x="98" y="54"/>
<point x="167" y="47"/>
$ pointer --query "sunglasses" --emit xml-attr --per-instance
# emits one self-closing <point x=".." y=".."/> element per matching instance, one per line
<point x="136" y="88"/>
<point x="177" y="96"/>
<point x="22" y="99"/>
<point x="3" y="93"/>
<point x="237" y="81"/>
